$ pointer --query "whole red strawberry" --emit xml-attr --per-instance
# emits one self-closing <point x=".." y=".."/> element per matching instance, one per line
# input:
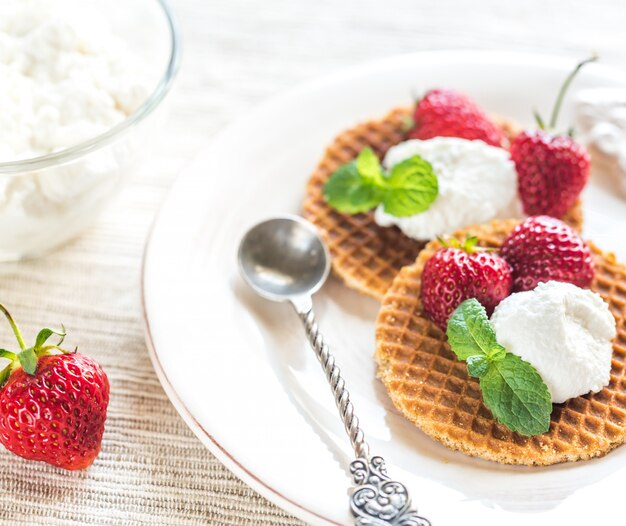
<point x="454" y="274"/>
<point x="552" y="168"/>
<point x="447" y="113"/>
<point x="52" y="406"/>
<point x="543" y="248"/>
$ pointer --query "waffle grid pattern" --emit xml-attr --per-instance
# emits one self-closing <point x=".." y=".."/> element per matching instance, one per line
<point x="366" y="256"/>
<point x="433" y="390"/>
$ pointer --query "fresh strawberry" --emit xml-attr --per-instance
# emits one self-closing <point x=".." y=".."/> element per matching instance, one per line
<point x="456" y="273"/>
<point x="552" y="169"/>
<point x="543" y="248"/>
<point x="447" y="113"/>
<point x="53" y="404"/>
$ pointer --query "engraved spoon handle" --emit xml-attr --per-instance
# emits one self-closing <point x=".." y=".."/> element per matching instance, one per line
<point x="376" y="500"/>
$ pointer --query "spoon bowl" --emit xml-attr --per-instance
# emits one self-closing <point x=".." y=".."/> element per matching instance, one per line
<point x="284" y="258"/>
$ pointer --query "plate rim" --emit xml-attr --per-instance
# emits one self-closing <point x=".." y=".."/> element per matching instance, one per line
<point x="251" y="479"/>
<point x="218" y="450"/>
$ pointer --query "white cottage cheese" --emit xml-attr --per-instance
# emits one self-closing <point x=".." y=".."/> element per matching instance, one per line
<point x="477" y="183"/>
<point x="62" y="80"/>
<point x="564" y="331"/>
<point x="65" y="78"/>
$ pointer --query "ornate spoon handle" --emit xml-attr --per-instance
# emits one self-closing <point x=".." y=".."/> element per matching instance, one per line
<point x="376" y="500"/>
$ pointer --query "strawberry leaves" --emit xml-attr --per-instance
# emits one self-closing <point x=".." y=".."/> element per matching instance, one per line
<point x="28" y="357"/>
<point x="7" y="354"/>
<point x="360" y="185"/>
<point x="512" y="389"/>
<point x="6" y="363"/>
<point x="28" y="360"/>
<point x="44" y="335"/>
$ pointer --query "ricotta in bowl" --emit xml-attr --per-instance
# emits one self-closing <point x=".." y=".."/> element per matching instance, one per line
<point x="79" y="83"/>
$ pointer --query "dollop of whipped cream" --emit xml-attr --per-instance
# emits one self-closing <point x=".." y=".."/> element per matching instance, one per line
<point x="565" y="332"/>
<point x="477" y="183"/>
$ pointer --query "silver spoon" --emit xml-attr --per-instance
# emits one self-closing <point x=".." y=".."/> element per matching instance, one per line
<point x="284" y="259"/>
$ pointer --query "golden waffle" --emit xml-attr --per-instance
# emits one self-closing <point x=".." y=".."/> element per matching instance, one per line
<point x="366" y="256"/>
<point x="433" y="390"/>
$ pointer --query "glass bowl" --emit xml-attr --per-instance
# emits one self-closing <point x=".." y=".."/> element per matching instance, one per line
<point x="47" y="200"/>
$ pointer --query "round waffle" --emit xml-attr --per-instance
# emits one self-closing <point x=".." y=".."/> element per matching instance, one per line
<point x="432" y="389"/>
<point x="366" y="256"/>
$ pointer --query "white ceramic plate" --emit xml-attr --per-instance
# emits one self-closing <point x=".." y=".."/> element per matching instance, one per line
<point x="237" y="368"/>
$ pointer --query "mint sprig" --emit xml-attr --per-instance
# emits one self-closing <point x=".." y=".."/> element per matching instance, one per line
<point x="360" y="185"/>
<point x="512" y="389"/>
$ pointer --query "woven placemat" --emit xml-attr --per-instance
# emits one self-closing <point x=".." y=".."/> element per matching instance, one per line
<point x="152" y="470"/>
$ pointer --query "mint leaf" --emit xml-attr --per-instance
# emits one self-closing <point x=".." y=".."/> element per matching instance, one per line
<point x="412" y="188"/>
<point x="360" y="185"/>
<point x="497" y="353"/>
<point x="517" y="396"/>
<point x="368" y="165"/>
<point x="512" y="389"/>
<point x="469" y="331"/>
<point x="477" y="365"/>
<point x="28" y="360"/>
<point x="348" y="192"/>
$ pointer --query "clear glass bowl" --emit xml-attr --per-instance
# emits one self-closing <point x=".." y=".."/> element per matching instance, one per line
<point x="45" y="201"/>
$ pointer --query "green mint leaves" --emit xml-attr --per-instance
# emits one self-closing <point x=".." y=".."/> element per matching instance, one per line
<point x="412" y="188"/>
<point x="516" y="395"/>
<point x="358" y="186"/>
<point x="512" y="388"/>
<point x="350" y="192"/>
<point x="469" y="331"/>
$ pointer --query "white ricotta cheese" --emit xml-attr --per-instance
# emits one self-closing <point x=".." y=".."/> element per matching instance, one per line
<point x="477" y="183"/>
<point x="62" y="80"/>
<point x="564" y="331"/>
<point x="66" y="77"/>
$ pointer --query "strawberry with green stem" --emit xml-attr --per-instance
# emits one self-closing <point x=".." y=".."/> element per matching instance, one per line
<point x="552" y="168"/>
<point x="52" y="402"/>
